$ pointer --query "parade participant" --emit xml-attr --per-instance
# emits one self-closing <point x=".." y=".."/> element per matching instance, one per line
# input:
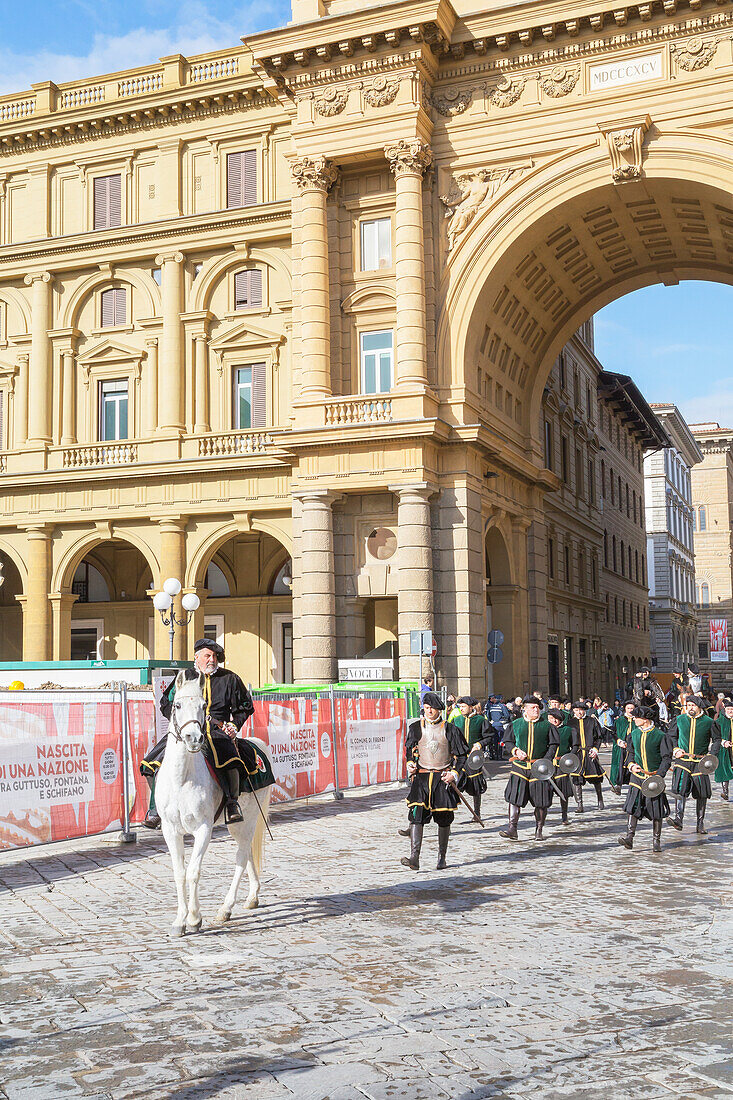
<point x="695" y="736"/>
<point x="436" y="754"/>
<point x="586" y="739"/>
<point x="475" y="730"/>
<point x="228" y="705"/>
<point x="528" y="739"/>
<point x="624" y="724"/>
<point x="428" y="682"/>
<point x="561" y="737"/>
<point x="650" y="753"/>
<point x="724" y="770"/>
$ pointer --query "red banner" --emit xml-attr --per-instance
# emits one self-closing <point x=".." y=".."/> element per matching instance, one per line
<point x="370" y="740"/>
<point x="298" y="732"/>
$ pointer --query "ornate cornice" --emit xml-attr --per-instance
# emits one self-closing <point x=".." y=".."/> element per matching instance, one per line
<point x="53" y="132"/>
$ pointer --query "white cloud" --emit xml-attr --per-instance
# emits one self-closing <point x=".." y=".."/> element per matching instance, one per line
<point x="195" y="31"/>
<point x="714" y="407"/>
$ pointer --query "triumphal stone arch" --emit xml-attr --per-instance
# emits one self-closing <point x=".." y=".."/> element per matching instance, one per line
<point x="526" y="164"/>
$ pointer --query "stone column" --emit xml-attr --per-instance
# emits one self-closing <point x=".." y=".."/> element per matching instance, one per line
<point x="68" y="405"/>
<point x="171" y="370"/>
<point x="314" y="176"/>
<point x="459" y="589"/>
<point x="20" y="408"/>
<point x="172" y="564"/>
<point x="415" y="604"/>
<point x="409" y="160"/>
<point x="316" y="623"/>
<point x="61" y="605"/>
<point x="40" y="376"/>
<point x="532" y="539"/>
<point x="150" y="387"/>
<point x="37" y="642"/>
<point x="201" y="362"/>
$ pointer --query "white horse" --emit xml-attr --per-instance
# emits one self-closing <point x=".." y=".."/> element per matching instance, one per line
<point x="187" y="799"/>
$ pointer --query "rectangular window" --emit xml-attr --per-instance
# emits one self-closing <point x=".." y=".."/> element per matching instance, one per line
<point x="114" y="307"/>
<point x="567" y="565"/>
<point x="564" y="459"/>
<point x="593" y="575"/>
<point x="107" y="201"/>
<point x="113" y="405"/>
<point x="702" y="651"/>
<point x="578" y="473"/>
<point x="551" y="559"/>
<point x="376" y="361"/>
<point x="591" y="481"/>
<point x="376" y="244"/>
<point x="563" y="372"/>
<point x="548" y="445"/>
<point x="249" y="397"/>
<point x="248" y="289"/>
<point x="241" y="179"/>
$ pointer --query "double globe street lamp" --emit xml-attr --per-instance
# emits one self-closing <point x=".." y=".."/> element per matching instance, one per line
<point x="163" y="602"/>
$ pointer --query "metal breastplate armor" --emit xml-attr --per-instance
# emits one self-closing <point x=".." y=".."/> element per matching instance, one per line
<point x="432" y="748"/>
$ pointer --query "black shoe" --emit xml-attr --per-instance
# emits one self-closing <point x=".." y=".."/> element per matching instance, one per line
<point x="404" y="832"/>
<point x="232" y="812"/>
<point x="151" y="820"/>
<point x="674" y="822"/>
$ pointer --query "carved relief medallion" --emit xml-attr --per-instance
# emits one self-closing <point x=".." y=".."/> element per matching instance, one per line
<point x="331" y="102"/>
<point x="381" y="92"/>
<point x="696" y="54"/>
<point x="560" y="81"/>
<point x="506" y="92"/>
<point x="452" y="102"/>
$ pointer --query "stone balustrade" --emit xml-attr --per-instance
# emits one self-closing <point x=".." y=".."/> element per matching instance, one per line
<point x="360" y="410"/>
<point x="99" y="454"/>
<point x="234" y="443"/>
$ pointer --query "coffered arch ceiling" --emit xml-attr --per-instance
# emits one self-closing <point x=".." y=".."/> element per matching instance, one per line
<point x="510" y="309"/>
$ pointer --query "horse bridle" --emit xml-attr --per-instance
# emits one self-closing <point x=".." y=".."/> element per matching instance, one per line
<point x="177" y="730"/>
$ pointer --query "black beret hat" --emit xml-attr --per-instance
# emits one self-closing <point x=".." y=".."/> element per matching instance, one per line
<point x="580" y="705"/>
<point x="697" y="700"/>
<point x="468" y="700"/>
<point x="432" y="699"/>
<point x="643" y="712"/>
<point x="208" y="643"/>
<point x="532" y="699"/>
<point x="557" y="714"/>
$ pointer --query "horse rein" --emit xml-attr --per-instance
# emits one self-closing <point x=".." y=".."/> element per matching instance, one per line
<point x="177" y="730"/>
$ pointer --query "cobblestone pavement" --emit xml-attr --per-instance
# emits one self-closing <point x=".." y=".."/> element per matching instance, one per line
<point x="568" y="968"/>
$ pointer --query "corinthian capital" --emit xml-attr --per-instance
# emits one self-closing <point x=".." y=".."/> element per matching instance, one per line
<point x="409" y="156"/>
<point x="314" y="172"/>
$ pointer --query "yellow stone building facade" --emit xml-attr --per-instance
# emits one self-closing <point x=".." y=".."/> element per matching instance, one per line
<point x="288" y="311"/>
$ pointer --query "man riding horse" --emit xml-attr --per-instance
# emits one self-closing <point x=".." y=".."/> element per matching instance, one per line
<point x="228" y="706"/>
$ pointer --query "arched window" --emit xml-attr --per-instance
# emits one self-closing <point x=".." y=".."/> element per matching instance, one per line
<point x="705" y="594"/>
<point x="703" y="517"/>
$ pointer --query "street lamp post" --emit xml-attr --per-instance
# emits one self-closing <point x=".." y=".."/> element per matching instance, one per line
<point x="163" y="602"/>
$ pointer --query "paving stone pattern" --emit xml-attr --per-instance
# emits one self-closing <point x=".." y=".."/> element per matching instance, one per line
<point x="567" y="968"/>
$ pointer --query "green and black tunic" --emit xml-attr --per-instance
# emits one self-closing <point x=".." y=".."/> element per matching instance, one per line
<point x="476" y="731"/>
<point x="696" y="737"/>
<point x="586" y="736"/>
<point x="561" y="737"/>
<point x="652" y="750"/>
<point x="535" y="739"/>
<point x="623" y="728"/>
<point x="724" y="770"/>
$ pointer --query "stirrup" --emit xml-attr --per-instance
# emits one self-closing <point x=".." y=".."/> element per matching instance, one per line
<point x="232" y="812"/>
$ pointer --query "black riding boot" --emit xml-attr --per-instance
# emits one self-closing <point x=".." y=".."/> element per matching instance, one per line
<point x="564" y="811"/>
<point x="229" y="781"/>
<point x="578" y="792"/>
<point x="404" y="832"/>
<point x="724" y="791"/>
<point x="628" y="840"/>
<point x="152" y="817"/>
<point x="443" y="834"/>
<point x="510" y="833"/>
<point x="679" y="813"/>
<point x="539" y="816"/>
<point x="477" y="805"/>
<point x="599" y="794"/>
<point x="657" y="835"/>
<point x="415" y="845"/>
<point x="701" y="804"/>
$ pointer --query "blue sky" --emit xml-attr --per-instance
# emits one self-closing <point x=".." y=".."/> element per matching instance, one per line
<point x="64" y="39"/>
<point x="675" y="342"/>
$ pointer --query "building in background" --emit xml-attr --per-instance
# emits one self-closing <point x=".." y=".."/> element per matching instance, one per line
<point x="627" y="427"/>
<point x="669" y="543"/>
<point x="575" y="607"/>
<point x="712" y="505"/>
<point x="596" y="427"/>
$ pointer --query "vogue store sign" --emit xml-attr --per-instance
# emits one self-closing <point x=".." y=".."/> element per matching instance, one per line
<point x="630" y="70"/>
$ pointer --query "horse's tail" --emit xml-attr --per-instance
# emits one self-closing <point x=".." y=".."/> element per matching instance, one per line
<point x="263" y="798"/>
